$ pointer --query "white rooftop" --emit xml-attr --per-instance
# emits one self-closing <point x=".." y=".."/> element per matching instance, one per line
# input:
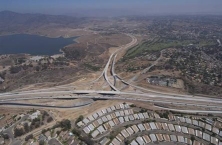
<point x="184" y="129"/>
<point x="208" y="127"/>
<point x="111" y="123"/>
<point x="206" y="136"/>
<point x="153" y="137"/>
<point x="173" y="138"/>
<point x="95" y="133"/>
<point x="90" y="118"/>
<point x="178" y="128"/>
<point x="101" y="129"/>
<point x="152" y="125"/>
<point x="141" y="127"/>
<point x="130" y="130"/>
<point x="140" y="140"/>
<point x="134" y="143"/>
<point x="195" y="122"/>
<point x="124" y="133"/>
<point x="85" y="120"/>
<point x="86" y="130"/>
<point x="181" y="139"/>
<point x="91" y="127"/>
<point x="34" y="115"/>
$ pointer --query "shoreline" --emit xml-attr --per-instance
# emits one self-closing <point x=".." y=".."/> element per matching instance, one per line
<point x="49" y="49"/>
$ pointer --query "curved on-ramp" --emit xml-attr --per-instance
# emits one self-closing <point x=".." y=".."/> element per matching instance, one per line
<point x="45" y="106"/>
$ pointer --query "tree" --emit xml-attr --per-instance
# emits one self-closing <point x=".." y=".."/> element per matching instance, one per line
<point x="49" y="119"/>
<point x="45" y="113"/>
<point x="167" y="83"/>
<point x="165" y="115"/>
<point x="44" y="131"/>
<point x="132" y="105"/>
<point x="80" y="118"/>
<point x="76" y="132"/>
<point x="26" y="127"/>
<point x="18" y="132"/>
<point x="214" y="134"/>
<point x="2" y="74"/>
<point x="19" y="118"/>
<point x="65" y="124"/>
<point x="37" y="124"/>
<point x="58" y="132"/>
<point x="37" y="68"/>
<point x="87" y="140"/>
<point x="127" y="142"/>
<point x="192" y="138"/>
<point x="41" y="142"/>
<point x="28" y="137"/>
<point x="5" y="136"/>
<point x="44" y="67"/>
<point x="15" y="69"/>
<point x="30" y="65"/>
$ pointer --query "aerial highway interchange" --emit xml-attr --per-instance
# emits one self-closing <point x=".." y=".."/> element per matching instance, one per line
<point x="66" y="91"/>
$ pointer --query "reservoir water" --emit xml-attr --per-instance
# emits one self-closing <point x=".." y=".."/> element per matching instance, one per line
<point x="32" y="44"/>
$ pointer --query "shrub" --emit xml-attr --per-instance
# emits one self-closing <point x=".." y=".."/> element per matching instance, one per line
<point x="43" y="131"/>
<point x="15" y="69"/>
<point x="76" y="132"/>
<point x="65" y="124"/>
<point x="26" y="127"/>
<point x="80" y="118"/>
<point x="41" y="142"/>
<point x="49" y="119"/>
<point x="5" y="136"/>
<point x="28" y="137"/>
<point x="192" y="138"/>
<point x="18" y="132"/>
<point x="132" y="105"/>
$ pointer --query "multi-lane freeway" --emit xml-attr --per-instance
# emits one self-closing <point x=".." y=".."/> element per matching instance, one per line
<point x="147" y="95"/>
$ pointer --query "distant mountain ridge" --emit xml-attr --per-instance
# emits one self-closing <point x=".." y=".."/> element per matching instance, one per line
<point x="18" y="22"/>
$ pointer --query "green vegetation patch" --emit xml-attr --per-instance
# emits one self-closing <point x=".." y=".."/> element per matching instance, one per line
<point x="156" y="45"/>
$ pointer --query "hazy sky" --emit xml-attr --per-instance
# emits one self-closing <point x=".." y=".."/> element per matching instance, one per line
<point x="113" y="7"/>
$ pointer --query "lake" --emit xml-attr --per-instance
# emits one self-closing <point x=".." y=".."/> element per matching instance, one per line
<point x="32" y="44"/>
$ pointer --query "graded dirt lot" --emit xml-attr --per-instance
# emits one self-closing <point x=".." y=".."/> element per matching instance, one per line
<point x="145" y="84"/>
<point x="86" y="110"/>
<point x="60" y="113"/>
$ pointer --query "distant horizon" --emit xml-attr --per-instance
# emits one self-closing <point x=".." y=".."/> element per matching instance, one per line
<point x="135" y="15"/>
<point x="100" y="8"/>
